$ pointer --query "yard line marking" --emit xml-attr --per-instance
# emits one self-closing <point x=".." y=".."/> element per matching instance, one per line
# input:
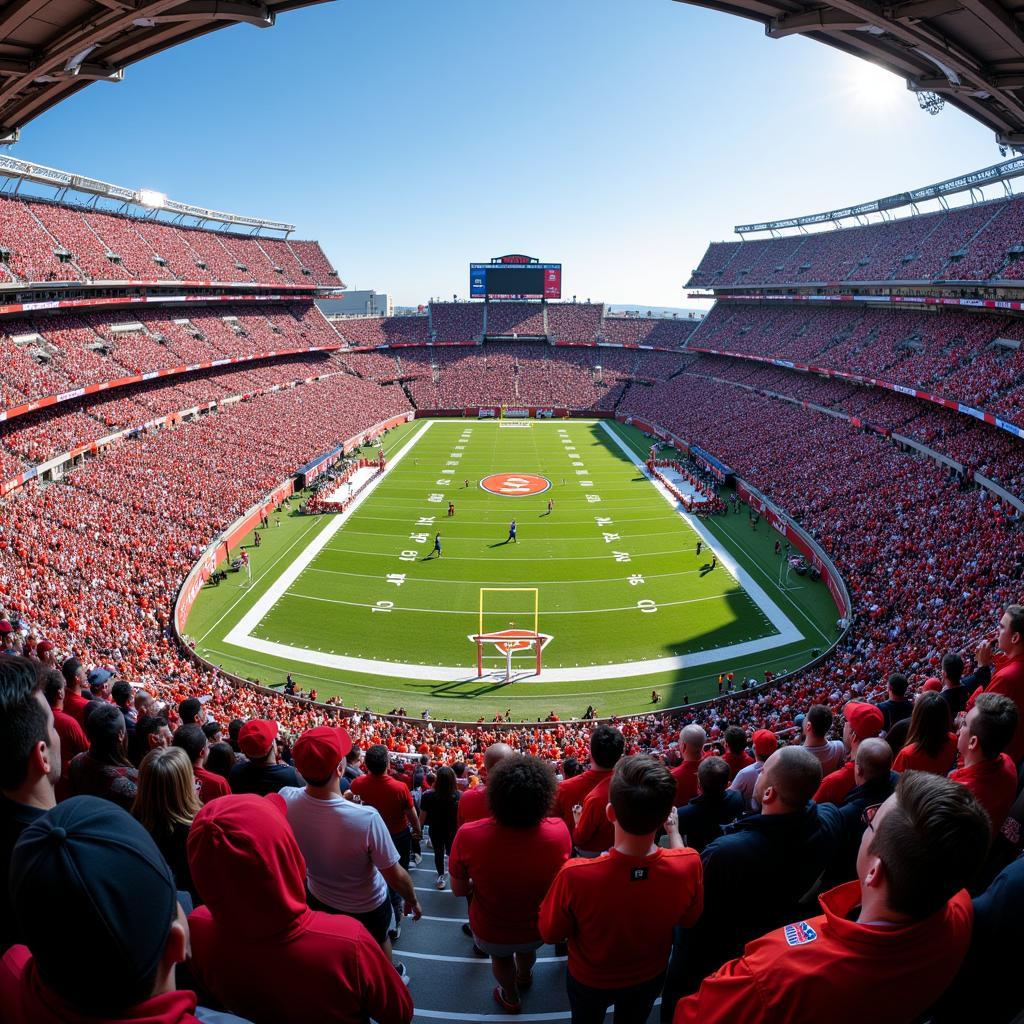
<point x="239" y="635"/>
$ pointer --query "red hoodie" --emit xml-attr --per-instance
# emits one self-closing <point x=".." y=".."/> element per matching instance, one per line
<point x="25" y="1000"/>
<point x="258" y="948"/>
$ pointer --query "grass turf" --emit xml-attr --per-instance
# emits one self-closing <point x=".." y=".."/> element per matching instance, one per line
<point x="589" y="596"/>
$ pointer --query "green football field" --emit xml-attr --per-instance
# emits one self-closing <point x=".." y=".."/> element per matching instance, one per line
<point x="362" y="606"/>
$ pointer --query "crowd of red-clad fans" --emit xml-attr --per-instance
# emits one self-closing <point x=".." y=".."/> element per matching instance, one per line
<point x="870" y="862"/>
<point x="970" y="243"/>
<point x="977" y="360"/>
<point x="45" y="241"/>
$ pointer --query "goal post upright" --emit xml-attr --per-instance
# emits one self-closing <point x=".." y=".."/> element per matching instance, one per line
<point x="481" y="632"/>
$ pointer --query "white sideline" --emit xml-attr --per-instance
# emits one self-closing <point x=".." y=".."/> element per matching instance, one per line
<point x="240" y="635"/>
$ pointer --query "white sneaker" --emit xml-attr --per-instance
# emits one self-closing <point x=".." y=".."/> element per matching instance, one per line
<point x="403" y="974"/>
<point x="415" y="859"/>
<point x="442" y="881"/>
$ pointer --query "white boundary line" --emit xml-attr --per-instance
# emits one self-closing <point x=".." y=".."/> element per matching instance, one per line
<point x="240" y="635"/>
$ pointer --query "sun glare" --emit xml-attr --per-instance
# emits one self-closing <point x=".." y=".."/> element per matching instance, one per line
<point x="871" y="88"/>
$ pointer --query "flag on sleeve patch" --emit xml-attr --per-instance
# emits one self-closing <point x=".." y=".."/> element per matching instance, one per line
<point x="800" y="933"/>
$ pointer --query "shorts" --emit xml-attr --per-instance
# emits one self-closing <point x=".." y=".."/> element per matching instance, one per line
<point x="507" y="948"/>
<point x="376" y="922"/>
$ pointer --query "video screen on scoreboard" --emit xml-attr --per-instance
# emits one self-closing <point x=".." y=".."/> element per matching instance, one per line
<point x="515" y="281"/>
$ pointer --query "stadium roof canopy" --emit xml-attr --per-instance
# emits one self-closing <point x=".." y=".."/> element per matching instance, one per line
<point x="967" y="52"/>
<point x="52" y="48"/>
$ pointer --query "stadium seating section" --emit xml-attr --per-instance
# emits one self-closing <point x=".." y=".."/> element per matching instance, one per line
<point x="43" y="241"/>
<point x="971" y="243"/>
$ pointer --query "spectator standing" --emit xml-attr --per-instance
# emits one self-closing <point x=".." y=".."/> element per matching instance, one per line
<point x="830" y="753"/>
<point x="888" y="942"/>
<point x="987" y="771"/>
<point x="691" y="746"/>
<point x="166" y="805"/>
<point x="765" y="743"/>
<point x="618" y="911"/>
<point x="393" y="800"/>
<point x="701" y="820"/>
<point x="193" y="741"/>
<point x="606" y="747"/>
<point x="736" y="756"/>
<point x="350" y="858"/>
<point x="151" y="731"/>
<point x="861" y="722"/>
<point x="779" y="854"/>
<point x="953" y="691"/>
<point x="256" y="931"/>
<point x="439" y="809"/>
<point x="473" y="803"/>
<point x="931" y="746"/>
<point x="30" y="761"/>
<point x="262" y="772"/>
<point x="104" y="769"/>
<point x="74" y="700"/>
<point x="508" y="862"/>
<point x="1008" y="679"/>
<point x="221" y="760"/>
<point x="897" y="706"/>
<point x="73" y="740"/>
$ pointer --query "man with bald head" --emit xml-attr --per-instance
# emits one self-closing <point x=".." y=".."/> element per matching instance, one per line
<point x="691" y="746"/>
<point x="758" y="871"/>
<point x="473" y="802"/>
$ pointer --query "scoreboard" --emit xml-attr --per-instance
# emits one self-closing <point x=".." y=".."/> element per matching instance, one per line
<point x="518" y="280"/>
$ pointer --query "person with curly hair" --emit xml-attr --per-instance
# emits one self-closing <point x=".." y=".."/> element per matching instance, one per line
<point x="507" y="862"/>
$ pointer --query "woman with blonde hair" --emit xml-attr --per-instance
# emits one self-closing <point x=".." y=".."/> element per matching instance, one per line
<point x="166" y="804"/>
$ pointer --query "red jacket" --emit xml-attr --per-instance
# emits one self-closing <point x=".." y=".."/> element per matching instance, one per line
<point x="211" y="785"/>
<point x="994" y="785"/>
<point x="833" y="969"/>
<point x="24" y="999"/>
<point x="1009" y="681"/>
<point x="473" y="806"/>
<point x="256" y="945"/>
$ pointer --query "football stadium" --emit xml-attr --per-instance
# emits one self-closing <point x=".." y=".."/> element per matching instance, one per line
<point x="408" y="658"/>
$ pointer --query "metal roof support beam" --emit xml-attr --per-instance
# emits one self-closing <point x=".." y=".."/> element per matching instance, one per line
<point x="812" y="21"/>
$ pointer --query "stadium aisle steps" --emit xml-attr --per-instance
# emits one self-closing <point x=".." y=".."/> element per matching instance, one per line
<point x="448" y="983"/>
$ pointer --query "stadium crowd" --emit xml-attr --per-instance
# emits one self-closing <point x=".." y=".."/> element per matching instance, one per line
<point x="47" y="241"/>
<point x="968" y="243"/>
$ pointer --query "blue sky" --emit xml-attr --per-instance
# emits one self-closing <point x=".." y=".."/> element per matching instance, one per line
<point x="411" y="138"/>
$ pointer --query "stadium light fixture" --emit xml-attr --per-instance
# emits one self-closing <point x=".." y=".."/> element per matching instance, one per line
<point x="152" y="199"/>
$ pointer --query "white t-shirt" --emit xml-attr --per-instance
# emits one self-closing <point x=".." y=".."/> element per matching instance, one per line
<point x="831" y="754"/>
<point x="746" y="779"/>
<point x="346" y="845"/>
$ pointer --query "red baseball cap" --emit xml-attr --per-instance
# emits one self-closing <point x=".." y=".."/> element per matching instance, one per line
<point x="765" y="743"/>
<point x="44" y="646"/>
<point x="932" y="684"/>
<point x="5" y="626"/>
<point x="317" y="752"/>
<point x="257" y="737"/>
<point x="865" y="719"/>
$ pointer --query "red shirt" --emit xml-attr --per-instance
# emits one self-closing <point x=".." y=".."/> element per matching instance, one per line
<point x="574" y="791"/>
<point x="832" y="969"/>
<point x="389" y="796"/>
<point x="687" y="786"/>
<point x="211" y="785"/>
<point x="618" y="913"/>
<point x="835" y="786"/>
<point x="473" y="806"/>
<point x="912" y="758"/>
<point x="736" y="762"/>
<point x="594" y="832"/>
<point x="1009" y="681"/>
<point x="511" y="869"/>
<point x="74" y="705"/>
<point x="72" y="741"/>
<point x="994" y="785"/>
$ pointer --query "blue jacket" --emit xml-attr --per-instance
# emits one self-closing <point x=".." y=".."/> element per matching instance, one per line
<point x="701" y="820"/>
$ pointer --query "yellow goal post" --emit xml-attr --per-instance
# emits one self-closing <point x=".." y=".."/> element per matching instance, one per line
<point x="516" y="637"/>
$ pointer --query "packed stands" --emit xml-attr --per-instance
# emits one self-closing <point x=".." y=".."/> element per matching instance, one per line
<point x="575" y="321"/>
<point x="952" y="354"/>
<point x="388" y="330"/>
<point x="457" y="321"/>
<point x="662" y="333"/>
<point x="969" y="243"/>
<point x="44" y="241"/>
<point x="517" y="318"/>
